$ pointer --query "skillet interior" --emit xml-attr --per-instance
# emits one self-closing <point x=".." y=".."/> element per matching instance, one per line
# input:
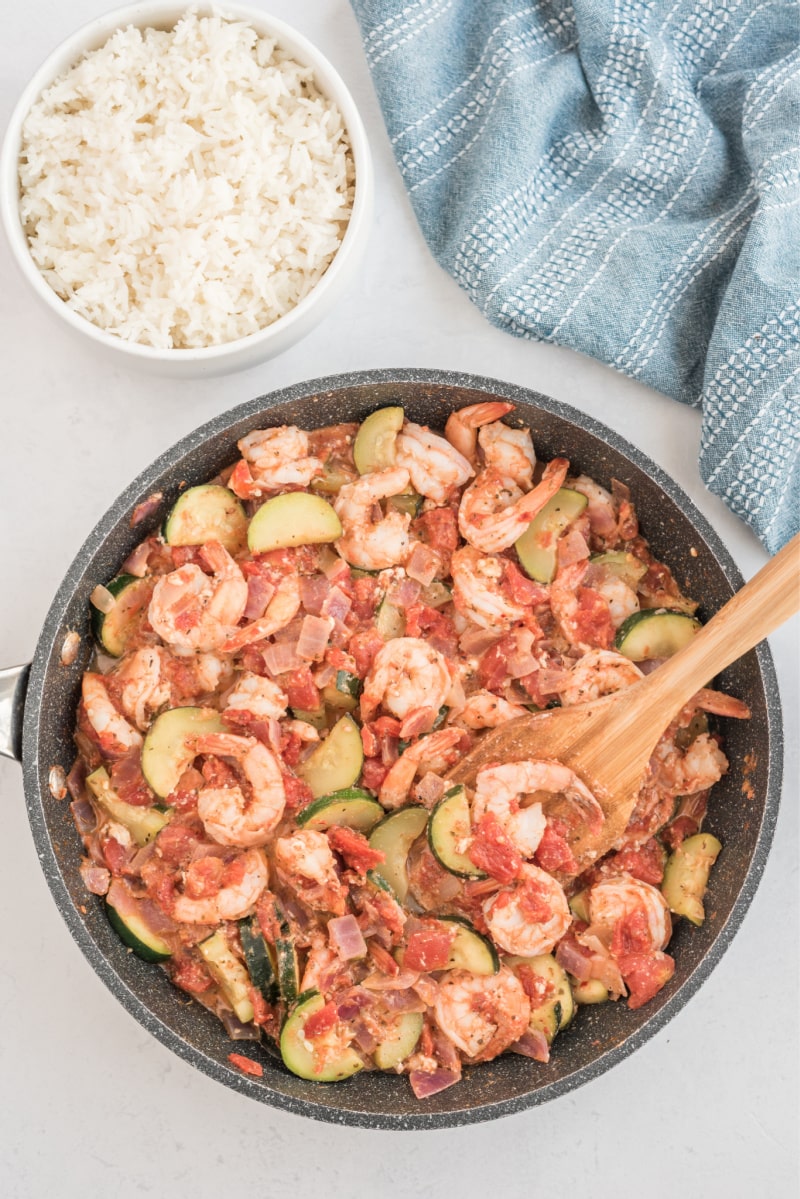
<point x="742" y="816"/>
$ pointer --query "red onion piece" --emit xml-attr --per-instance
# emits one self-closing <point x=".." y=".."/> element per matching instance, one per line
<point x="404" y="593"/>
<point x="474" y="641"/>
<point x="95" y="878"/>
<point x="398" y="982"/>
<point x="420" y="720"/>
<point x="403" y="1001"/>
<point x="337" y="605"/>
<point x="282" y="657"/>
<point x="84" y="816"/>
<point x="572" y="548"/>
<point x="291" y="631"/>
<point x="650" y="664"/>
<point x="334" y="568"/>
<point x="430" y="788"/>
<point x="259" y="592"/>
<point x="427" y="989"/>
<point x="236" y="1030"/>
<point x="571" y="959"/>
<point x="313" y="640"/>
<point x="136" y="563"/>
<point x="324" y="676"/>
<point x="346" y="938"/>
<point x="313" y="593"/>
<point x="532" y="1043"/>
<point x="364" y="1038"/>
<point x="423" y="564"/>
<point x="424" y="1084"/>
<point x="102" y="599"/>
<point x="521" y="664"/>
<point x="146" y="508"/>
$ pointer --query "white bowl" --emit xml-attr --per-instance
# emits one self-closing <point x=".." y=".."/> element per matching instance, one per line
<point x="282" y="333"/>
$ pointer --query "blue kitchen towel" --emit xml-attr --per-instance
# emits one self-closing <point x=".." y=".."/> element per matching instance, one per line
<point x="621" y="177"/>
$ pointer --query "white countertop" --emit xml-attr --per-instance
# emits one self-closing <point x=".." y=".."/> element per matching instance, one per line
<point x="94" y="1105"/>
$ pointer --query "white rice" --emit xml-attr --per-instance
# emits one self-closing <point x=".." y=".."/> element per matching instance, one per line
<point x="185" y="188"/>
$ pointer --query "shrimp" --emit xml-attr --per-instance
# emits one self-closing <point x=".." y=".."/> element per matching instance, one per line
<point x="482" y="1014"/>
<point x="575" y="622"/>
<point x="684" y="772"/>
<point x="530" y="916"/>
<point x="369" y="543"/>
<point x="462" y="426"/>
<point x="621" y="599"/>
<point x="621" y="897"/>
<point x="115" y="736"/>
<point x="272" y="459"/>
<point x="494" y="512"/>
<point x="599" y="672"/>
<point x="257" y="697"/>
<point x="498" y="789"/>
<point x="230" y="903"/>
<point x="434" y="752"/>
<point x="229" y="816"/>
<point x="434" y="466"/>
<point x="306" y="863"/>
<point x="485" y="710"/>
<point x="281" y="609"/>
<point x="144" y="687"/>
<point x="406" y="673"/>
<point x="190" y="611"/>
<point x="510" y="452"/>
<point x="477" y="592"/>
<point x="601" y="511"/>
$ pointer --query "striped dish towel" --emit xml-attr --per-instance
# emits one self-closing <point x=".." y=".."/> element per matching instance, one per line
<point x="621" y="177"/>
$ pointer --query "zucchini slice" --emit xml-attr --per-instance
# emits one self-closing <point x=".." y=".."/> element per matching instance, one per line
<point x="207" y="513"/>
<point x="298" y="1053"/>
<point x="655" y="633"/>
<point x="448" y="827"/>
<point x="373" y="448"/>
<point x="343" y="695"/>
<point x="351" y="807"/>
<point x="113" y="630"/>
<point x="579" y="905"/>
<point x="557" y="1009"/>
<point x="408" y="502"/>
<point x="394" y="837"/>
<point x="294" y="518"/>
<point x="591" y="991"/>
<point x="137" y="936"/>
<point x="336" y="763"/>
<point x="470" y="949"/>
<point x="288" y="967"/>
<point x="316" y="717"/>
<point x="142" y="823"/>
<point x="229" y="974"/>
<point x="686" y="875"/>
<point x="168" y="746"/>
<point x="401" y="1044"/>
<point x="627" y="567"/>
<point x="537" y="547"/>
<point x="390" y="621"/>
<point x="258" y="959"/>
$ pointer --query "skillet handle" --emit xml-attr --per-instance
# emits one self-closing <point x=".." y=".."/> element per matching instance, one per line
<point x="13" y="689"/>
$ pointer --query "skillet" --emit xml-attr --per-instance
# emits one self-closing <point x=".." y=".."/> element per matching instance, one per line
<point x="37" y="713"/>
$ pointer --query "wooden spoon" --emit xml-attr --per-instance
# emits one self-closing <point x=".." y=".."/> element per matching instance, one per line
<point x="608" y="742"/>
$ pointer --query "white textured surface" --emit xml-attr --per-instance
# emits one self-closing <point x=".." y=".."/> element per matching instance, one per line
<point x="91" y="1104"/>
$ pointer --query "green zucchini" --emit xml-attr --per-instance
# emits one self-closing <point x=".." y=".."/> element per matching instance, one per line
<point x="351" y="807"/>
<point x="401" y="1044"/>
<point x="142" y="823"/>
<point x="317" y="718"/>
<point x="168" y="747"/>
<point x="655" y="633"/>
<point x="229" y="974"/>
<point x="207" y="513"/>
<point x="470" y="949"/>
<point x="113" y="630"/>
<point x="537" y="547"/>
<point x="557" y="1010"/>
<point x="407" y="502"/>
<point x="298" y="1053"/>
<point x="288" y="967"/>
<point x="374" y="446"/>
<point x="579" y="905"/>
<point x="336" y="762"/>
<point x="394" y="836"/>
<point x="448" y="827"/>
<point x="591" y="991"/>
<point x="258" y="959"/>
<point x="436" y="595"/>
<point x="294" y="518"/>
<point x="390" y="621"/>
<point x="137" y="936"/>
<point x="343" y="694"/>
<point x="686" y="875"/>
<point x="627" y="567"/>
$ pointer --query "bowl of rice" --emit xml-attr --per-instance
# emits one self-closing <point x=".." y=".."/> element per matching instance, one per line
<point x="191" y="189"/>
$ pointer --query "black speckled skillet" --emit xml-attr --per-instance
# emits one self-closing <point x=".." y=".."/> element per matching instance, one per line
<point x="743" y="816"/>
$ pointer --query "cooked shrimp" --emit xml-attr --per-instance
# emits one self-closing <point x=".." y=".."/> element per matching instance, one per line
<point x="613" y="899"/>
<point x="257" y="697"/>
<point x="565" y="604"/>
<point x="485" y="710"/>
<point x="601" y="510"/>
<point x="434" y="753"/>
<point x="482" y="1014"/>
<point x="684" y="772"/>
<point x="530" y="916"/>
<point x="306" y="864"/>
<point x="230" y="816"/>
<point x="144" y="689"/>
<point x="494" y="512"/>
<point x="406" y="673"/>
<point x="115" y="735"/>
<point x="477" y="593"/>
<point x="191" y="611"/>
<point x="281" y="609"/>
<point x="599" y="672"/>
<point x="372" y="541"/>
<point x="277" y="458"/>
<point x="230" y="903"/>
<point x="621" y="599"/>
<point x="499" y="788"/>
<point x="510" y="452"/>
<point x="434" y="466"/>
<point x="462" y="426"/>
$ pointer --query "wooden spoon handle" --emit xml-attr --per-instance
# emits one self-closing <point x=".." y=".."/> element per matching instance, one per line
<point x="770" y="598"/>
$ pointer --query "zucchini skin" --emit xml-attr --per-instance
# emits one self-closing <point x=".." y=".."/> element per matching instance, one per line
<point x="144" y="944"/>
<point x="109" y="628"/>
<point x="686" y="875"/>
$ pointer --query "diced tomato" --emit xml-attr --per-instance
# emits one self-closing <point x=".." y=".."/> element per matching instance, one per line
<point x="246" y="1064"/>
<point x="190" y="975"/>
<point x="645" y="974"/>
<point x="297" y="792"/>
<point x="428" y="947"/>
<point x="262" y="1012"/>
<point x="493" y="851"/>
<point x="178" y="840"/>
<point x="553" y="851"/>
<point x="129" y="782"/>
<point x="218" y="773"/>
<point x="364" y="646"/>
<point x="291" y="748"/>
<point x="369" y="741"/>
<point x="187" y="620"/>
<point x="116" y="856"/>
<point x="519" y="588"/>
<point x="267" y="919"/>
<point x="533" y="901"/>
<point x="355" y="849"/>
<point x="677" y="831"/>
<point x="493" y="664"/>
<point x="183" y="555"/>
<point x="365" y="597"/>
<point x="631" y="936"/>
<point x="253" y="660"/>
<point x="373" y="772"/>
<point x="645" y="863"/>
<point x="241" y="481"/>
<point x="592" y="620"/>
<point x="439" y="529"/>
<point x="184" y="797"/>
<point x="203" y="878"/>
<point x="301" y="690"/>
<point x="383" y="959"/>
<point x="426" y="1041"/>
<point x="537" y="988"/>
<point x="338" y="659"/>
<point x="320" y="1022"/>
